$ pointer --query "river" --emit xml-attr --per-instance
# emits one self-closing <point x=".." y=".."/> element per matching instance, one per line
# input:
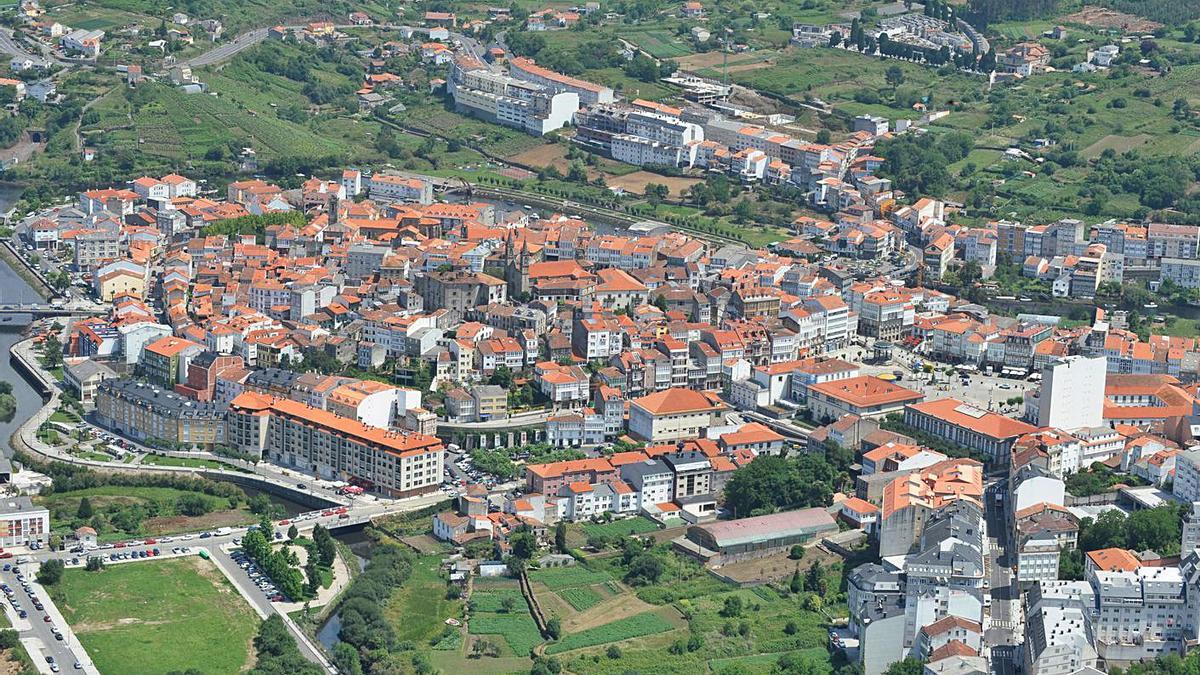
<point x="14" y="290"/>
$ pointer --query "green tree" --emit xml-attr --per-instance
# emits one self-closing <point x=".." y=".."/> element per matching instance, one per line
<point x="894" y="76"/>
<point x="50" y="572"/>
<point x="293" y="532"/>
<point x="94" y="563"/>
<point x="908" y="666"/>
<point x="553" y="628"/>
<point x="560" y="537"/>
<point x="85" y="510"/>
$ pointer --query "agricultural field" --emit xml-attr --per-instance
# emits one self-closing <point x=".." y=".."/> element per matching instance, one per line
<point x="157" y="617"/>
<point x="619" y="528"/>
<point x="558" y="578"/>
<point x="516" y="628"/>
<point x="638" y="625"/>
<point x="687" y="622"/>
<point x="581" y="598"/>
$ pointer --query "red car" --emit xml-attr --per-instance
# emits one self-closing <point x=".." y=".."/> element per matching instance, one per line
<point x="119" y="544"/>
<point x="285" y="522"/>
<point x="5" y="554"/>
<point x="46" y="618"/>
<point x="151" y="542"/>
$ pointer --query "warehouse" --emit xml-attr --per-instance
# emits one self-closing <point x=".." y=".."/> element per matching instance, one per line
<point x="729" y="541"/>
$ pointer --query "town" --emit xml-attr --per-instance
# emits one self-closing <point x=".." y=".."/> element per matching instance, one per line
<point x="795" y="399"/>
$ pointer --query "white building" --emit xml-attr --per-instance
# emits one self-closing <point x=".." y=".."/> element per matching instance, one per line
<point x="1072" y="393"/>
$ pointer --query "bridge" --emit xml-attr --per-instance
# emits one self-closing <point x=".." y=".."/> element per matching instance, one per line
<point x="40" y="310"/>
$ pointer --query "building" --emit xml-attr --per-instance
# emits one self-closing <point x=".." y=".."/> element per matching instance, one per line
<point x="1072" y="393"/>
<point x="386" y="187"/>
<point x="589" y="93"/>
<point x="495" y="97"/>
<point x="729" y="541"/>
<point x="23" y="523"/>
<point x="158" y="417"/>
<point x="956" y="422"/>
<point x="85" y="376"/>
<point x="864" y="396"/>
<point x="910" y="500"/>
<point x="297" y="435"/>
<point x="674" y="414"/>
<point x="165" y="360"/>
<point x="83" y="42"/>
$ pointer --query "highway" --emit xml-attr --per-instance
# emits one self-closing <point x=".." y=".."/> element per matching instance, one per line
<point x="228" y="49"/>
<point x="9" y="45"/>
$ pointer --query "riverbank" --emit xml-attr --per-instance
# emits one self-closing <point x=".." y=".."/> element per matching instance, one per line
<point x="34" y="280"/>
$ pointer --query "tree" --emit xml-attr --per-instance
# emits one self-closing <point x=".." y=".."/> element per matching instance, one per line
<point x="894" y="76"/>
<point x="292" y="532"/>
<point x="50" y="572"/>
<point x="85" y="511"/>
<point x="823" y="137"/>
<point x="732" y="608"/>
<point x="644" y="569"/>
<point x="326" y="548"/>
<point x="523" y="545"/>
<point x="796" y="585"/>
<point x="554" y="628"/>
<point x="193" y="504"/>
<point x="345" y="656"/>
<point x="94" y="563"/>
<point x="796" y="552"/>
<point x="560" y="537"/>
<point x="507" y="604"/>
<point x="908" y="666"/>
<point x="613" y="652"/>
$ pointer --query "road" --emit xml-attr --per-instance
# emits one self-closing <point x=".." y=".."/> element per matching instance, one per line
<point x="1004" y="629"/>
<point x="34" y="631"/>
<point x="9" y="45"/>
<point x="228" y="49"/>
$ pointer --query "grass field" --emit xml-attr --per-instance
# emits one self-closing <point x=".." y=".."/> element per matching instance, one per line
<point x="160" y="501"/>
<point x="618" y="528"/>
<point x="192" y="462"/>
<point x="558" y="578"/>
<point x="417" y="609"/>
<point x="156" y="617"/>
<point x="647" y="623"/>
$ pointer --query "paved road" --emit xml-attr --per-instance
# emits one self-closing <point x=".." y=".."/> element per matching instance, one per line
<point x="9" y="45"/>
<point x="35" y="633"/>
<point x="1003" y="635"/>
<point x="228" y="49"/>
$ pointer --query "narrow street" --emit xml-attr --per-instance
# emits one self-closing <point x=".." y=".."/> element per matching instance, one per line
<point x="1003" y="633"/>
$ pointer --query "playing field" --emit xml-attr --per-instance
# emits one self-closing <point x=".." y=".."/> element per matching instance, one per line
<point x="158" y="617"/>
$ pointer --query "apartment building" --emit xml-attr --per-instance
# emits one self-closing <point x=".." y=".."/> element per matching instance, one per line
<point x="384" y="187"/>
<point x="150" y="414"/>
<point x="589" y="93"/>
<point x="502" y="99"/>
<point x="297" y="435"/>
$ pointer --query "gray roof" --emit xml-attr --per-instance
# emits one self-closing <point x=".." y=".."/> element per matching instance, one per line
<point x="86" y="369"/>
<point x="161" y="401"/>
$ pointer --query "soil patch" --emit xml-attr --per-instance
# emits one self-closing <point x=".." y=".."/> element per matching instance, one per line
<point x="1102" y="17"/>
<point x="638" y="180"/>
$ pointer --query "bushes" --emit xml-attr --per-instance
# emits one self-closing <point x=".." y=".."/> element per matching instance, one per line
<point x="69" y="477"/>
<point x="364" y="626"/>
<point x="277" y="653"/>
